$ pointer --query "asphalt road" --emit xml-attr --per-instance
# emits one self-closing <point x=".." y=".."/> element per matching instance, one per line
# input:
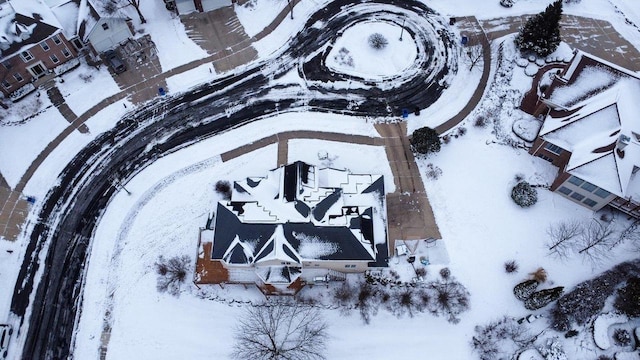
<point x="60" y="242"/>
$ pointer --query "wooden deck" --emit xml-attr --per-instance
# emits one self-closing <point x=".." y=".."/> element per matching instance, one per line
<point x="210" y="271"/>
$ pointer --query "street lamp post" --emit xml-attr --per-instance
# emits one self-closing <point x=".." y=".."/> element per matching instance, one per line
<point x="402" y="29"/>
<point x="290" y="8"/>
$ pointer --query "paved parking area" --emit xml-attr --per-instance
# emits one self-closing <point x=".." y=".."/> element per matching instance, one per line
<point x="141" y="58"/>
<point x="220" y="33"/>
<point x="597" y="37"/>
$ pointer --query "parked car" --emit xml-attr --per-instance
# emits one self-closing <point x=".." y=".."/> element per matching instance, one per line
<point x="5" y="335"/>
<point x="115" y="62"/>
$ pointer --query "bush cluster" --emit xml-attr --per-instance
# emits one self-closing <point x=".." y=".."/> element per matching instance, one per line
<point x="588" y="298"/>
<point x="524" y="194"/>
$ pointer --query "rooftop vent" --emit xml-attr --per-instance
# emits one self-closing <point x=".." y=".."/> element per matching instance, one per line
<point x="623" y="141"/>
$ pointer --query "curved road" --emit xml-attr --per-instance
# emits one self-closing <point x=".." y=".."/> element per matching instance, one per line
<point x="61" y="241"/>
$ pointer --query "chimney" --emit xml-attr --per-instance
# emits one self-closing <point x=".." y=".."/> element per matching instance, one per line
<point x="623" y="141"/>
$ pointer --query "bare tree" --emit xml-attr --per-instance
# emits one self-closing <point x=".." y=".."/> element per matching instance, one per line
<point x="172" y="273"/>
<point x="111" y="6"/>
<point x="474" y="55"/>
<point x="450" y="299"/>
<point x="595" y="241"/>
<point x="563" y="236"/>
<point x="136" y="5"/>
<point x="280" y="331"/>
<point x="630" y="233"/>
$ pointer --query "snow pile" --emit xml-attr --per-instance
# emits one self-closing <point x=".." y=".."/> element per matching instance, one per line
<point x="601" y="328"/>
<point x="312" y="247"/>
<point x="527" y="129"/>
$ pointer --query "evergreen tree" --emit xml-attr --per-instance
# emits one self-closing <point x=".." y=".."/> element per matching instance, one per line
<point x="542" y="298"/>
<point x="541" y="33"/>
<point x="425" y="140"/>
<point x="525" y="289"/>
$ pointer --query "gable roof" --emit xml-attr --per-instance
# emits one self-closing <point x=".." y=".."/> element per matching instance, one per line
<point x="298" y="212"/>
<point x="596" y="109"/>
<point x="24" y="23"/>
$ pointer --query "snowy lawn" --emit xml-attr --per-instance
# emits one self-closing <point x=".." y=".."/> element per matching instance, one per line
<point x="85" y="78"/>
<point x="27" y="140"/>
<point x="353" y="54"/>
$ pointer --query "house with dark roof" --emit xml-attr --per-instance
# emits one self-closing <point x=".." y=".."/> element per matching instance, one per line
<point x="591" y="132"/>
<point x="296" y="224"/>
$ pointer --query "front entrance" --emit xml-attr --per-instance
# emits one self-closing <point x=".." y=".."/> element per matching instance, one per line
<point x="38" y="70"/>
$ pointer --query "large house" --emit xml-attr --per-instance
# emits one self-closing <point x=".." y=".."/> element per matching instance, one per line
<point x="591" y="132"/>
<point x="38" y="38"/>
<point x="297" y="224"/>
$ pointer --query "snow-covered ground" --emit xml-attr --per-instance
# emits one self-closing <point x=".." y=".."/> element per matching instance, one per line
<point x="481" y="226"/>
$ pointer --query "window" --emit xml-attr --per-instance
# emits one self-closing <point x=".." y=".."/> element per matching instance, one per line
<point x="602" y="193"/>
<point x="56" y="39"/>
<point x="575" y="181"/>
<point x="588" y="186"/>
<point x="589" y="202"/>
<point x="545" y="158"/>
<point x="553" y="148"/>
<point x="6" y="84"/>
<point x="564" y="190"/>
<point x="26" y="56"/>
<point x="66" y="52"/>
<point x="349" y="266"/>
<point x="44" y="46"/>
<point x="7" y="64"/>
<point x="105" y="26"/>
<point x="54" y="59"/>
<point x="18" y="77"/>
<point x="577" y="196"/>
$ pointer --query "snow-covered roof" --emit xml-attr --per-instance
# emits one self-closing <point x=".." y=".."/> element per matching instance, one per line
<point x="24" y="23"/>
<point x="298" y="212"/>
<point x="596" y="111"/>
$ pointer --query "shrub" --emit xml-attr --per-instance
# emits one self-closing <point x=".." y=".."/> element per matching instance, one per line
<point x="462" y="130"/>
<point x="511" y="266"/>
<point x="622" y="337"/>
<point x="378" y="41"/>
<point x="524" y="195"/>
<point x="451" y="299"/>
<point x="499" y="339"/>
<point x="628" y="298"/>
<point x="524" y="290"/>
<point x="480" y="121"/>
<point x="571" y="333"/>
<point x="425" y="140"/>
<point x="542" y="298"/>
<point x="588" y="298"/>
<point x="433" y="172"/>
<point x="445" y="273"/>
<point x="223" y="188"/>
<point x="422" y="272"/>
<point x="172" y="273"/>
<point x="540" y="275"/>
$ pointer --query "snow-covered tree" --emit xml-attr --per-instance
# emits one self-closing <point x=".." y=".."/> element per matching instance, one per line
<point x="425" y="140"/>
<point x="279" y="331"/>
<point x="542" y="298"/>
<point x="541" y="33"/>
<point x="524" y="290"/>
<point x="524" y="194"/>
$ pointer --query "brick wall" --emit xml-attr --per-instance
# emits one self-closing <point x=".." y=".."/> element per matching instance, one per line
<point x="18" y="66"/>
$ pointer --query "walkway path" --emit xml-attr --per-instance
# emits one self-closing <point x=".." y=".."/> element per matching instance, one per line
<point x="471" y="27"/>
<point x="599" y="36"/>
